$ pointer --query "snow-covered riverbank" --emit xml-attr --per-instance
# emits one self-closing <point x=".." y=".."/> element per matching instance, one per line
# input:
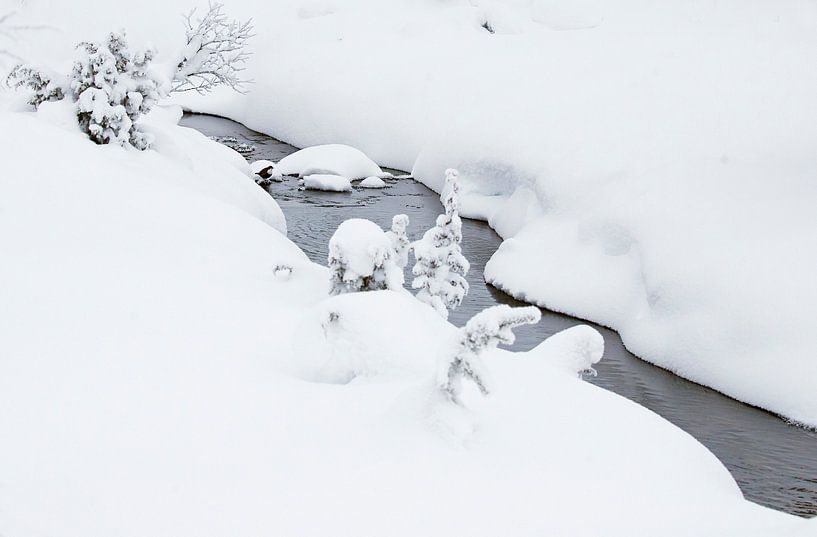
<point x="652" y="166"/>
<point x="155" y="381"/>
<point x="771" y="461"/>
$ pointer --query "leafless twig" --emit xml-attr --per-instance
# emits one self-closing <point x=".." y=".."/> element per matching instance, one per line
<point x="215" y="54"/>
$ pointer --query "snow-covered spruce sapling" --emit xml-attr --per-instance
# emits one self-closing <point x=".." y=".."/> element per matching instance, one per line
<point x="38" y="84"/>
<point x="113" y="88"/>
<point x="482" y="332"/>
<point x="361" y="258"/>
<point x="399" y="239"/>
<point x="440" y="269"/>
<point x="215" y="53"/>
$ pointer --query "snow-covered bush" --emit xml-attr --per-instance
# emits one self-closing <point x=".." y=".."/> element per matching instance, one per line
<point x="215" y="53"/>
<point x="39" y="85"/>
<point x="361" y="258"/>
<point x="483" y="331"/>
<point x="113" y="88"/>
<point x="440" y="270"/>
<point x="399" y="239"/>
<point x="111" y="85"/>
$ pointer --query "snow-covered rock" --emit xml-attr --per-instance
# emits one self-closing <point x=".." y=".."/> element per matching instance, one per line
<point x="372" y="182"/>
<point x="331" y="159"/>
<point x="330" y="183"/>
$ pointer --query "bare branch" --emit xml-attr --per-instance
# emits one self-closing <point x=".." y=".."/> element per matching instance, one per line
<point x="215" y="54"/>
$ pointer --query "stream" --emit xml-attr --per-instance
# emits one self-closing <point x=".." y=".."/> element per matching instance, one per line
<point x="774" y="463"/>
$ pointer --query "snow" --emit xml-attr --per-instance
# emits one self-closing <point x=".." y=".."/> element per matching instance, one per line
<point x="652" y="168"/>
<point x="331" y="183"/>
<point x="167" y="351"/>
<point x="331" y="159"/>
<point x="576" y="349"/>
<point x="372" y="182"/>
<point x="674" y="147"/>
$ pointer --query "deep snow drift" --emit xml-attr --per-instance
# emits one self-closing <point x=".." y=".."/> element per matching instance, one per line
<point x="653" y="165"/>
<point x="171" y="365"/>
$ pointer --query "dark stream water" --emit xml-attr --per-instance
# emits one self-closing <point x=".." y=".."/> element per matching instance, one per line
<point x="774" y="463"/>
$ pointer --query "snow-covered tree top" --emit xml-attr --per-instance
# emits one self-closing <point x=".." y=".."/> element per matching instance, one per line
<point x="359" y="243"/>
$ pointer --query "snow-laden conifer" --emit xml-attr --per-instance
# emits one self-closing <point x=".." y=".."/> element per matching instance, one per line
<point x="482" y="332"/>
<point x="113" y="88"/>
<point x="399" y="239"/>
<point x="40" y="85"/>
<point x="440" y="269"/>
<point x="361" y="258"/>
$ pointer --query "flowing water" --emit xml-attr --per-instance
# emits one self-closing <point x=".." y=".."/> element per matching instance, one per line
<point x="774" y="463"/>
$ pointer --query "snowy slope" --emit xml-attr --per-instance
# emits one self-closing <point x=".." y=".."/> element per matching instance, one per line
<point x="159" y="376"/>
<point x="653" y="163"/>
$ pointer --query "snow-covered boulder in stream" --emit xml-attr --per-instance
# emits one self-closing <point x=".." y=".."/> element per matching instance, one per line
<point x="373" y="182"/>
<point x="330" y="159"/>
<point x="327" y="182"/>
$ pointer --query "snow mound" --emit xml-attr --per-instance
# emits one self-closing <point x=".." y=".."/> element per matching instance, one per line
<point x="562" y="15"/>
<point x="330" y="183"/>
<point x="335" y="159"/>
<point x="347" y="337"/>
<point x="373" y="182"/>
<point x="575" y="350"/>
<point x="312" y="10"/>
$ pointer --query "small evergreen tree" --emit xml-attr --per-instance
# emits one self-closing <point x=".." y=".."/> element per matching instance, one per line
<point x="361" y="258"/>
<point x="39" y="84"/>
<point x="113" y="88"/>
<point x="440" y="269"/>
<point x="483" y="331"/>
<point x="399" y="239"/>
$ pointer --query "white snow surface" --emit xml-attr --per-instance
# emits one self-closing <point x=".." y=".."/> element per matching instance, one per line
<point x="654" y="164"/>
<point x="330" y="159"/>
<point x="328" y="182"/>
<point x="149" y="384"/>
<point x="159" y="376"/>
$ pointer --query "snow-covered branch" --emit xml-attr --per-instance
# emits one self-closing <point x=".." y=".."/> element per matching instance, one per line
<point x="483" y="331"/>
<point x="215" y="54"/>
